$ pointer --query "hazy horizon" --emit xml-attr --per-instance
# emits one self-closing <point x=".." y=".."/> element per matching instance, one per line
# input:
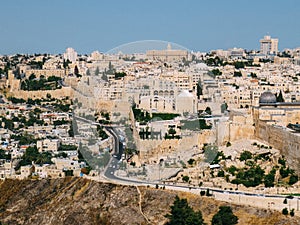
<point x="33" y="26"/>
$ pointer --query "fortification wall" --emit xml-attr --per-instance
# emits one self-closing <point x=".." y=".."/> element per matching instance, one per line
<point x="282" y="139"/>
<point x="58" y="93"/>
<point x="158" y="148"/>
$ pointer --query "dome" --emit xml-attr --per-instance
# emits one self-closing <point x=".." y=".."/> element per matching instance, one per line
<point x="201" y="66"/>
<point x="267" y="97"/>
<point x="185" y="93"/>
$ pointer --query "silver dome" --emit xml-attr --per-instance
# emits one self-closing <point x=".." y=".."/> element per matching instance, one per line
<point x="267" y="97"/>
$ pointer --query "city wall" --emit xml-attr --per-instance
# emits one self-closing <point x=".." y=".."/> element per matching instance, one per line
<point x="239" y="126"/>
<point x="155" y="149"/>
<point x="58" y="93"/>
<point x="282" y="139"/>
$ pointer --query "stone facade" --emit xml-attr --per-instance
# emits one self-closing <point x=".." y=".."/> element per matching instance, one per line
<point x="58" y="93"/>
<point x="271" y="128"/>
<point x="283" y="139"/>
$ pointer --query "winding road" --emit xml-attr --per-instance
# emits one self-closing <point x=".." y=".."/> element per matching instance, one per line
<point x="226" y="195"/>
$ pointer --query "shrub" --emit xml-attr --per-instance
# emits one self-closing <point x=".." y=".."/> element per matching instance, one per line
<point x="182" y="214"/>
<point x="293" y="179"/>
<point x="284" y="172"/>
<point x="232" y="169"/>
<point x="191" y="161"/>
<point x="281" y="161"/>
<point x="186" y="178"/>
<point x="285" y="211"/>
<point x="224" y="216"/>
<point x="221" y="173"/>
<point x="245" y="155"/>
<point x="270" y="178"/>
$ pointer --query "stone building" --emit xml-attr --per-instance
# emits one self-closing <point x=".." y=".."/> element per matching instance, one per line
<point x="185" y="102"/>
<point x="271" y="120"/>
<point x="167" y="54"/>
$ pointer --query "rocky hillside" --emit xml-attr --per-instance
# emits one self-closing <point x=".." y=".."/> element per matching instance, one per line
<point x="80" y="201"/>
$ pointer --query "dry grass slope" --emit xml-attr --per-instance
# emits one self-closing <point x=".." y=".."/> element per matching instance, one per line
<point x="79" y="201"/>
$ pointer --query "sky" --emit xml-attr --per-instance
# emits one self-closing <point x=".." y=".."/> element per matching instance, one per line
<point x="50" y="26"/>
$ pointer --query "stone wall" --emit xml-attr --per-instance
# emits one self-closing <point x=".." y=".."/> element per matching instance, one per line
<point x="238" y="126"/>
<point x="282" y="139"/>
<point x="58" y="93"/>
<point x="163" y="148"/>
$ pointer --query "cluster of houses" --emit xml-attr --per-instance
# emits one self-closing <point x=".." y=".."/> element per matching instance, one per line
<point x="48" y="137"/>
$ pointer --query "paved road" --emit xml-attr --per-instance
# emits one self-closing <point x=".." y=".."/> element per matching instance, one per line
<point x="114" y="165"/>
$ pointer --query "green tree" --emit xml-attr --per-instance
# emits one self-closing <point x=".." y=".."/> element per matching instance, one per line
<point x="285" y="211"/>
<point x="270" y="178"/>
<point x="245" y="155"/>
<point x="216" y="72"/>
<point x="293" y="179"/>
<point x="237" y="74"/>
<point x="191" y="161"/>
<point x="48" y="95"/>
<point x="199" y="89"/>
<point x="280" y="98"/>
<point x="172" y="131"/>
<point x="281" y="162"/>
<point x="208" y="110"/>
<point x="284" y="172"/>
<point x="224" y="107"/>
<point x="183" y="214"/>
<point x="76" y="70"/>
<point x="104" y="76"/>
<point x="224" y="216"/>
<point x="32" y="155"/>
<point x="4" y="155"/>
<point x="110" y="66"/>
<point x="44" y="158"/>
<point x="32" y="76"/>
<point x="66" y="63"/>
<point x="8" y="124"/>
<point x="292" y="212"/>
<point x="250" y="177"/>
<point x="71" y="132"/>
<point x="239" y="65"/>
<point x="221" y="173"/>
<point x="186" y="178"/>
<point x="119" y="75"/>
<point x="97" y="71"/>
